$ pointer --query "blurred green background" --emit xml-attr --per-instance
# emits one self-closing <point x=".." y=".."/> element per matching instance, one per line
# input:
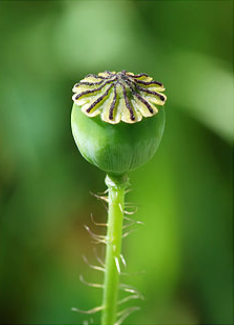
<point x="184" y="194"/>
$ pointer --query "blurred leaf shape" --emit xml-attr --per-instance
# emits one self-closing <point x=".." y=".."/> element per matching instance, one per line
<point x="203" y="87"/>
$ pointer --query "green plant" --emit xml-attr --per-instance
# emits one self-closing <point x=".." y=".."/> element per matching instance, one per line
<point x="117" y="127"/>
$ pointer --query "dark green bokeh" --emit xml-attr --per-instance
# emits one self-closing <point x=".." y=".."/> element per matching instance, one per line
<point x="184" y="194"/>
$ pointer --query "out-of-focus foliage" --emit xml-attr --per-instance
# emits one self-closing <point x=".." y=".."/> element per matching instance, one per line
<point x="184" y="194"/>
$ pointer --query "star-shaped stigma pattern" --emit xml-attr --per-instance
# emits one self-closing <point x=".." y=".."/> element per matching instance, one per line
<point x="120" y="96"/>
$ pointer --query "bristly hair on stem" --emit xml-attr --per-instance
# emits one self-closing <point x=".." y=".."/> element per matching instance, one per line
<point x="114" y="259"/>
<point x="116" y="194"/>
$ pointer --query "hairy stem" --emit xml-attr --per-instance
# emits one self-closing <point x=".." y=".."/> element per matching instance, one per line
<point x="116" y="188"/>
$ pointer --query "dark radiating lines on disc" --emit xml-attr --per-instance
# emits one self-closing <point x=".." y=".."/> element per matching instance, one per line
<point x="113" y="103"/>
<point x="138" y="96"/>
<point x="129" y="107"/>
<point x="92" y="90"/>
<point x="151" y="92"/>
<point x="99" y="99"/>
<point x="134" y="94"/>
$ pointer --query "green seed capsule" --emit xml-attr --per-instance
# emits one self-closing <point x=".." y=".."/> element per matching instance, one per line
<point x="118" y="120"/>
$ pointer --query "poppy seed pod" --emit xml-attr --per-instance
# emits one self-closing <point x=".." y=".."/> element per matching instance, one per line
<point x="118" y="119"/>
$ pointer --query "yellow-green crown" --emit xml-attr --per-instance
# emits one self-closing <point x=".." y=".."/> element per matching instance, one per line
<point x="120" y="96"/>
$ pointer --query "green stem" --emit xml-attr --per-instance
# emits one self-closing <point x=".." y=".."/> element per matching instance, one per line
<point x="116" y="189"/>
